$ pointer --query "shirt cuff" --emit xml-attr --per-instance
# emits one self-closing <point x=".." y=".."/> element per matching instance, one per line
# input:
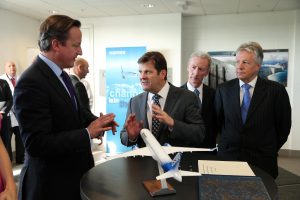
<point x="132" y="141"/>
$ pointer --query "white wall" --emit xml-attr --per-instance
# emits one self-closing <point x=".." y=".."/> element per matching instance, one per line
<point x="174" y="36"/>
<point x="18" y="35"/>
<point x="156" y="32"/>
<point x="295" y="62"/>
<point x="273" y="30"/>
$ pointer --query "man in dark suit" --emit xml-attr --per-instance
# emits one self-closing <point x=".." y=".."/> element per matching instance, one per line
<point x="171" y="113"/>
<point x="78" y="72"/>
<point x="254" y="114"/>
<point x="198" y="68"/>
<point x="55" y="132"/>
<point x="6" y="103"/>
<point x="11" y="77"/>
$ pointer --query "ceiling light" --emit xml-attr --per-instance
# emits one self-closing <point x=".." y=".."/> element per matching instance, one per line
<point x="52" y="11"/>
<point x="182" y="4"/>
<point x="149" y="5"/>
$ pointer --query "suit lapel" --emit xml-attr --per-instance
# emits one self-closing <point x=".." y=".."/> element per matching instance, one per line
<point x="169" y="105"/>
<point x="143" y="109"/>
<point x="56" y="83"/>
<point x="205" y="98"/>
<point x="171" y="100"/>
<point x="257" y="97"/>
<point x="235" y="94"/>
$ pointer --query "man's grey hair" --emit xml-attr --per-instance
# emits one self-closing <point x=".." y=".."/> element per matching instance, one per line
<point x="201" y="54"/>
<point x="252" y="47"/>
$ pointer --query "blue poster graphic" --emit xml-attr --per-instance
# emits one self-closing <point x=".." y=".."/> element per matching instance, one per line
<point x="122" y="83"/>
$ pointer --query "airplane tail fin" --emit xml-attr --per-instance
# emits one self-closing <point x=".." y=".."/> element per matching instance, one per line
<point x="176" y="161"/>
<point x="175" y="173"/>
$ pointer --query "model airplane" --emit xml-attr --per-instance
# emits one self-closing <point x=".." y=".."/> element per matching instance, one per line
<point x="126" y="74"/>
<point x="160" y="154"/>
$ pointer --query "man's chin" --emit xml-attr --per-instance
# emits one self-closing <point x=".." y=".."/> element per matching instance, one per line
<point x="147" y="89"/>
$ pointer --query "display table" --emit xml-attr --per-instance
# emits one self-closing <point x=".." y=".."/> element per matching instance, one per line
<point x="123" y="178"/>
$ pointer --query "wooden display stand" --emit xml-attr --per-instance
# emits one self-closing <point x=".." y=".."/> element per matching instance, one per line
<point x="159" y="187"/>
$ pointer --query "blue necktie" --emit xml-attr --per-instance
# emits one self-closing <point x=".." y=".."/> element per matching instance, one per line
<point x="70" y="87"/>
<point x="196" y="91"/>
<point x="246" y="101"/>
<point x="155" y="121"/>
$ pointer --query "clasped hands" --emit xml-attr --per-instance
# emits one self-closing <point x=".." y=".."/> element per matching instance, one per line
<point x="101" y="124"/>
<point x="133" y="127"/>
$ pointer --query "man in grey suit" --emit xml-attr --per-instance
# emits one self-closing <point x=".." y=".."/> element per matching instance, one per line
<point x="171" y="113"/>
<point x="254" y="114"/>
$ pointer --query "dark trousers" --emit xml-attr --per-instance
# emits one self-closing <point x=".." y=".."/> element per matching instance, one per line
<point x="19" y="144"/>
<point x="6" y="135"/>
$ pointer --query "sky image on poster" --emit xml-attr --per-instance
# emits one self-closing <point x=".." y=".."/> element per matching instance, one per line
<point x="274" y="66"/>
<point x="122" y="83"/>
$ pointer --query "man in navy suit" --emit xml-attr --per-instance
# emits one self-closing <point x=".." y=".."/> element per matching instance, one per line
<point x="254" y="114"/>
<point x="55" y="132"/>
<point x="180" y="122"/>
<point x="198" y="68"/>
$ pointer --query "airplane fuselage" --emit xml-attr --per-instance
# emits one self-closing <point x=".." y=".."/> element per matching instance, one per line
<point x="158" y="152"/>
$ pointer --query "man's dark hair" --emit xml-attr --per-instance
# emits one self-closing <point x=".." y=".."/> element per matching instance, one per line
<point x="55" y="27"/>
<point x="156" y="58"/>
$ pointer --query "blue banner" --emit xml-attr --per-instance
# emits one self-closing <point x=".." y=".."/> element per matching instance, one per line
<point x="122" y="83"/>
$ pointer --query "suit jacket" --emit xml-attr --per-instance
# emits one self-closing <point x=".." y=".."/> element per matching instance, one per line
<point x="83" y="99"/>
<point x="6" y="100"/>
<point x="209" y="116"/>
<point x="266" y="128"/>
<point x="57" y="145"/>
<point x="13" y="119"/>
<point x="188" y="129"/>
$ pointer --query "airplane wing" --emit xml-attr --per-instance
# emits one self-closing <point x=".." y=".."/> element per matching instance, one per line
<point x="171" y="174"/>
<point x="189" y="173"/>
<point x="146" y="152"/>
<point x="166" y="175"/>
<point x="171" y="150"/>
<point x="136" y="152"/>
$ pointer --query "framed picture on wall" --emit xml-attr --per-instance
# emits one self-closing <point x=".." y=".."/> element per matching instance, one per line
<point x="274" y="66"/>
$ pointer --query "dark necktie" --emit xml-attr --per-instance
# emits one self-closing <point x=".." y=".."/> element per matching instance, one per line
<point x="155" y="121"/>
<point x="246" y="101"/>
<point x="13" y="81"/>
<point x="196" y="91"/>
<point x="70" y="87"/>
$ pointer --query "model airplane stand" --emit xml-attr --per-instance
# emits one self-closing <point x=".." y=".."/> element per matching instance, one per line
<point x="159" y="187"/>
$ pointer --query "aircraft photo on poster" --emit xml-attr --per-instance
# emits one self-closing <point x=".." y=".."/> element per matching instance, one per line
<point x="122" y="83"/>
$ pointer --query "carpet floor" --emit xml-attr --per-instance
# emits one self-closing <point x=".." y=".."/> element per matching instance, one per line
<point x="288" y="185"/>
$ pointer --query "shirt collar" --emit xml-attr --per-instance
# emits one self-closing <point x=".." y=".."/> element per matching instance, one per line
<point x="252" y="83"/>
<point x="54" y="67"/>
<point x="10" y="77"/>
<point x="191" y="88"/>
<point x="163" y="92"/>
<point x="72" y="73"/>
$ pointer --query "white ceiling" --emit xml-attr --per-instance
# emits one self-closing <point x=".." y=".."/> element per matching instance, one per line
<point x="40" y="9"/>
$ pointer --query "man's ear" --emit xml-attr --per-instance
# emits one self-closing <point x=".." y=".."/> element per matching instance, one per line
<point x="163" y="72"/>
<point x="55" y="44"/>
